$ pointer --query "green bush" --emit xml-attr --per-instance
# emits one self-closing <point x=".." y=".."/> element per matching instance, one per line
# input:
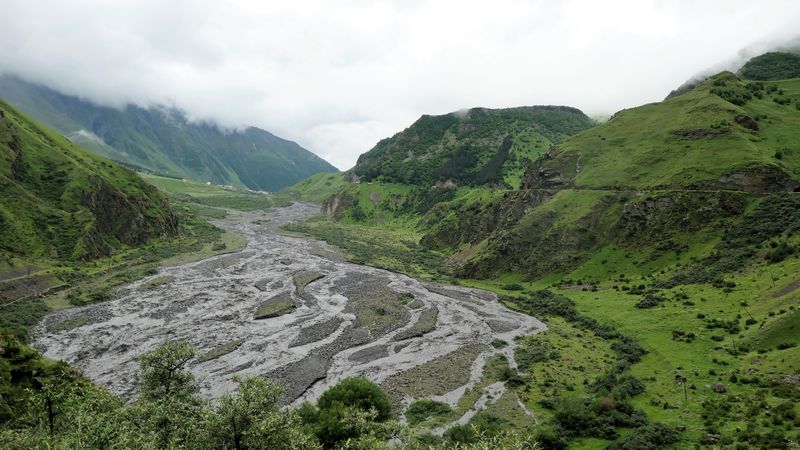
<point x="421" y="410"/>
<point x="357" y="392"/>
<point x="649" y="437"/>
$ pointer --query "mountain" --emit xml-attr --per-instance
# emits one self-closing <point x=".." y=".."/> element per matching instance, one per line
<point x="163" y="141"/>
<point x="647" y="175"/>
<point x="59" y="201"/>
<point x="662" y="249"/>
<point x="473" y="147"/>
<point x="772" y="66"/>
<point x="443" y="158"/>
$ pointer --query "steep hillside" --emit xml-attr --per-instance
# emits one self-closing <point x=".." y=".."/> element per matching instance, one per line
<point x="726" y="133"/>
<point x="662" y="247"/>
<point x="163" y="141"/>
<point x="475" y="147"/>
<point x="647" y="175"/>
<point x="60" y="201"/>
<point x="772" y="66"/>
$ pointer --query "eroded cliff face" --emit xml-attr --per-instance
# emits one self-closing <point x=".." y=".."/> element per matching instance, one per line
<point x="540" y="176"/>
<point x="336" y="204"/>
<point x="647" y="217"/>
<point x="130" y="219"/>
<point x="756" y="180"/>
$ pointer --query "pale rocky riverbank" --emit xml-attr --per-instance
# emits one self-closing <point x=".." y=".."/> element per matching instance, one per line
<point x="325" y="319"/>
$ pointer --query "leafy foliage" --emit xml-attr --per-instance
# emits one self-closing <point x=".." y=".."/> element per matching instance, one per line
<point x="480" y="146"/>
<point x="421" y="410"/>
<point x="772" y="66"/>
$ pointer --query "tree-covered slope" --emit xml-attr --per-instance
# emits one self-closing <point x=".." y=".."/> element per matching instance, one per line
<point x="162" y="140"/>
<point x="475" y="147"/>
<point x="772" y="66"/>
<point x="60" y="201"/>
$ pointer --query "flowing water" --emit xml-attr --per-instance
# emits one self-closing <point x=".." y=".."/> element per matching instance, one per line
<point x="347" y="320"/>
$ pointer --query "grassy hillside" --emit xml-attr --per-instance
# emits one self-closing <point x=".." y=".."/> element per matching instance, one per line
<point x="476" y="147"/>
<point x="317" y="188"/>
<point x="163" y="141"/>
<point x="61" y="201"/>
<point x="726" y="133"/>
<point x="663" y="249"/>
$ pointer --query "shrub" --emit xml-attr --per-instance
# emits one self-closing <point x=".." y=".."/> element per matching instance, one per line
<point x="357" y="392"/>
<point x="421" y="410"/>
<point x="648" y="437"/>
<point x="482" y="425"/>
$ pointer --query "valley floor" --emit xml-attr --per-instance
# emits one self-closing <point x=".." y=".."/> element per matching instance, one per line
<point x="291" y="308"/>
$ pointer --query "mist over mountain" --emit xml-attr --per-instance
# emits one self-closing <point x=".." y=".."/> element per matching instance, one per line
<point x="163" y="141"/>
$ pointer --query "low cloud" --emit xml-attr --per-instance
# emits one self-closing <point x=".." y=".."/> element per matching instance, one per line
<point x="339" y="76"/>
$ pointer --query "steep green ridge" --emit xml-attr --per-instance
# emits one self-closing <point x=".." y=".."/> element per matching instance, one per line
<point x="772" y="66"/>
<point x="669" y="232"/>
<point x="60" y="201"/>
<point x="724" y="134"/>
<point x="163" y="141"/>
<point x="475" y="147"/>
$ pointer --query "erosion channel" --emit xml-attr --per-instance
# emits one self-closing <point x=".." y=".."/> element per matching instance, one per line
<point x="292" y="309"/>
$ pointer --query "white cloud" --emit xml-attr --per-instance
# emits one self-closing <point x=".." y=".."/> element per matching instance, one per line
<point x="339" y="76"/>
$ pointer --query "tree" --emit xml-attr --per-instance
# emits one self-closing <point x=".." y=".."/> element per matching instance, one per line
<point x="252" y="419"/>
<point x="168" y="407"/>
<point x="162" y="374"/>
<point x="352" y="414"/>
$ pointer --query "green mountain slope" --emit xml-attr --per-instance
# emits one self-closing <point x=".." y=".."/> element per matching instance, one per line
<point x="60" y="201"/>
<point x="671" y="233"/>
<point x="164" y="141"/>
<point x="725" y="133"/>
<point x="476" y="147"/>
<point x="650" y="174"/>
<point x="772" y="66"/>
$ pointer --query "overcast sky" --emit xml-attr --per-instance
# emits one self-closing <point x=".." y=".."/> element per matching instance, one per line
<point x="337" y="76"/>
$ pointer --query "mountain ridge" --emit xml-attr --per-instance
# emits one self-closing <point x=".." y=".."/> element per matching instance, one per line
<point x="60" y="201"/>
<point x="162" y="140"/>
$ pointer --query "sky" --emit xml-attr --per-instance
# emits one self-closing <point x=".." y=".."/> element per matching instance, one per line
<point x="337" y="76"/>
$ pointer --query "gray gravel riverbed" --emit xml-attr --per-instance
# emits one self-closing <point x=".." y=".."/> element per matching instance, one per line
<point x="322" y="339"/>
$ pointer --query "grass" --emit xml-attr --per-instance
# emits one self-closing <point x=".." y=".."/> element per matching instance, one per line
<point x="378" y="309"/>
<point x="751" y="352"/>
<point x="425" y="324"/>
<point x="228" y="242"/>
<point x="215" y="196"/>
<point x="583" y="355"/>
<point x="303" y="279"/>
<point x="69" y="324"/>
<point x="58" y="197"/>
<point x="156" y="282"/>
<point x="393" y="248"/>
<point x="427" y="379"/>
<point x="220" y="350"/>
<point x="638" y="149"/>
<point x="275" y="307"/>
<point x="318" y="187"/>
